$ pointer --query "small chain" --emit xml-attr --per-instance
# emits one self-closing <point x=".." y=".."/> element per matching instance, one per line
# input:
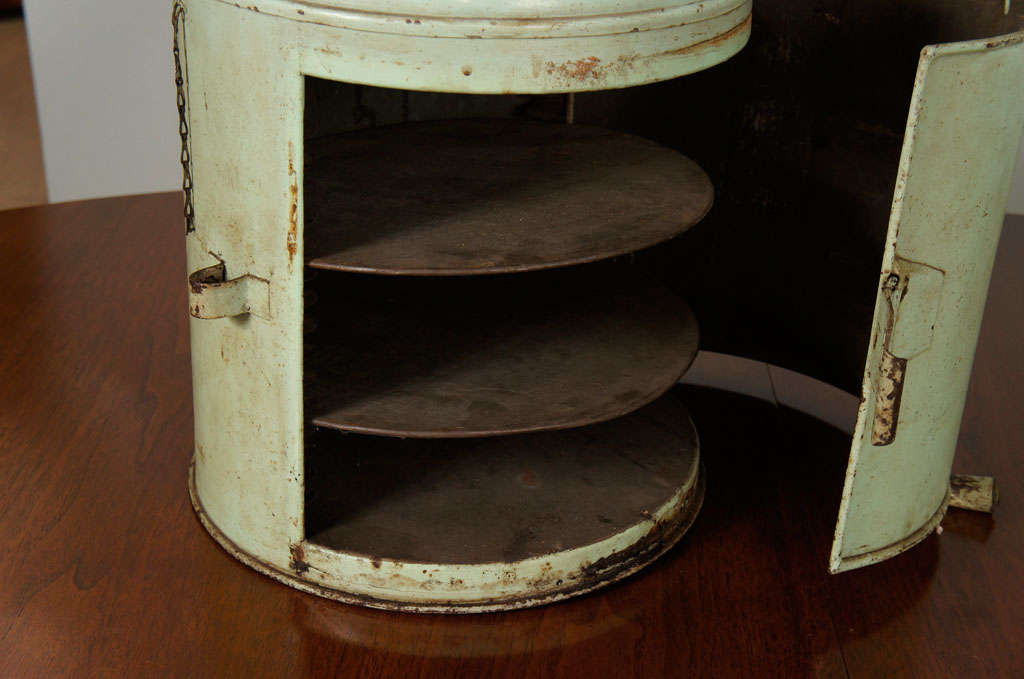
<point x="177" y="21"/>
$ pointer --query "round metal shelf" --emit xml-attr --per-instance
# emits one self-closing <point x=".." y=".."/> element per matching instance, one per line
<point x="492" y="196"/>
<point x="437" y="358"/>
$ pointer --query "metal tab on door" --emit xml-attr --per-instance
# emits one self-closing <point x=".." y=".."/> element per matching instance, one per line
<point x="913" y="296"/>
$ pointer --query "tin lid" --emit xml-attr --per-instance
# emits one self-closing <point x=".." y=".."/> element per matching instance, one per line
<point x="505" y="18"/>
<point x="516" y="9"/>
<point x="511" y="46"/>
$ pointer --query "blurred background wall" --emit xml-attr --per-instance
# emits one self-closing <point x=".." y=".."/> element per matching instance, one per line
<point x="104" y="93"/>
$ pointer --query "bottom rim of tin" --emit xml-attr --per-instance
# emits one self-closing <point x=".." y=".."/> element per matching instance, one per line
<point x="656" y="542"/>
<point x="841" y="563"/>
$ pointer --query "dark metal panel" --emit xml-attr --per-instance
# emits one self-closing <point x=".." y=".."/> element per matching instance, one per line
<point x="453" y="357"/>
<point x="801" y="135"/>
<point x="492" y="196"/>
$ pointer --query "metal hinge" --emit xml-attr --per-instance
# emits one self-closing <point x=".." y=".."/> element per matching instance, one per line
<point x="913" y="292"/>
<point x="211" y="295"/>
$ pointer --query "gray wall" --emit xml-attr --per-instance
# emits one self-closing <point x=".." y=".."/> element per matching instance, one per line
<point x="104" y="92"/>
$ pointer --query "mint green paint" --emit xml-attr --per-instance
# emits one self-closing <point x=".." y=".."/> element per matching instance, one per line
<point x="961" y="143"/>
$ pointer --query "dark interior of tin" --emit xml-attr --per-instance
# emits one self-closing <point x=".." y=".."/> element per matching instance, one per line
<point x="800" y="134"/>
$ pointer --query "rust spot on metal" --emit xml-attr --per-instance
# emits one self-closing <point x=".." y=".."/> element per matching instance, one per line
<point x="961" y="483"/>
<point x="892" y="371"/>
<point x="975" y="493"/>
<point x="711" y="42"/>
<point x="887" y="402"/>
<point x="293" y="213"/>
<point x="298" y="562"/>
<point x="204" y="278"/>
<point x="591" y="68"/>
<point x="1008" y="40"/>
<point x="602" y="572"/>
<point x="660" y="538"/>
<point x="579" y="69"/>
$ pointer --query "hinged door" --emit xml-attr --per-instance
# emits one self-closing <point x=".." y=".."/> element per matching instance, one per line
<point x="958" y="159"/>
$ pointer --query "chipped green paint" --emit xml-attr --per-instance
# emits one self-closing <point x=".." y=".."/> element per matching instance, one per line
<point x="245" y="79"/>
<point x="959" y="152"/>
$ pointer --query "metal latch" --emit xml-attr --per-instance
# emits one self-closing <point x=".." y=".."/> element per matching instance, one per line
<point x="913" y="293"/>
<point x="211" y="296"/>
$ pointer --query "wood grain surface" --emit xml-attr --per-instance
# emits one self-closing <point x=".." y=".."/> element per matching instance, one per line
<point x="104" y="570"/>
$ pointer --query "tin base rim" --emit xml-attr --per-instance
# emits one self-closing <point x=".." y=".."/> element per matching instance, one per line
<point x="641" y="553"/>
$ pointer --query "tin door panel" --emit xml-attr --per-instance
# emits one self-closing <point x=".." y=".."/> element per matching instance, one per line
<point x="954" y="177"/>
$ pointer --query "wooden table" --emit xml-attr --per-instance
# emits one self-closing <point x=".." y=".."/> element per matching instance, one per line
<point x="105" y="571"/>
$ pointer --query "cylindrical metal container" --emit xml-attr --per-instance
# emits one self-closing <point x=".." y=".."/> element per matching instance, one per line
<point x="242" y="83"/>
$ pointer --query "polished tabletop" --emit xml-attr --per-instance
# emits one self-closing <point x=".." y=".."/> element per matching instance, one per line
<point x="105" y="571"/>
